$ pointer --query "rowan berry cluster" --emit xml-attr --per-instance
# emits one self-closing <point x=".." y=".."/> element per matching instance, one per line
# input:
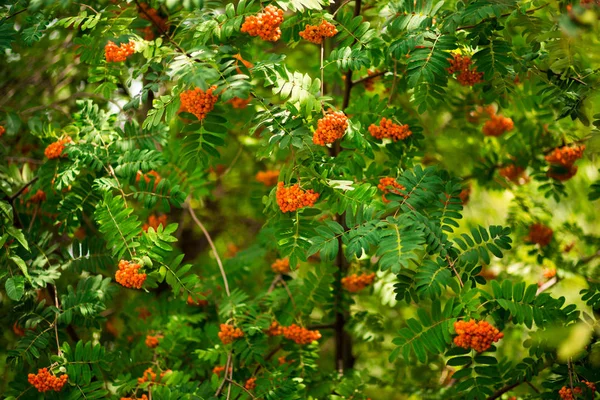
<point x="54" y="150"/>
<point x="317" y="33"/>
<point x="114" y="53"/>
<point x="220" y="368"/>
<point x="2" y="130"/>
<point x="267" y="178"/>
<point x="388" y="129"/>
<point x="497" y="125"/>
<point x="275" y="329"/>
<point x="389" y="185"/>
<point x="128" y="275"/>
<point x="566" y="393"/>
<point x="539" y="234"/>
<point x="198" y="101"/>
<point x="281" y="266"/>
<point x="355" y="283"/>
<point x="293" y="198"/>
<point x="512" y="172"/>
<point x="229" y="333"/>
<point x="565" y="156"/>
<point x="300" y="335"/>
<point x="44" y="381"/>
<point x="476" y="335"/>
<point x="330" y="128"/>
<point x="467" y="76"/>
<point x="38" y="197"/>
<point x="549" y="273"/>
<point x="264" y="24"/>
<point x="150" y="376"/>
<point x="152" y="341"/>
<point x="144" y="397"/>
<point x="154" y="222"/>
<point x="250" y="384"/>
<point x="238" y="102"/>
<point x="148" y="177"/>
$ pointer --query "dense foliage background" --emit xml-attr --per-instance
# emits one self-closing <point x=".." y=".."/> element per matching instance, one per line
<point x="484" y="206"/>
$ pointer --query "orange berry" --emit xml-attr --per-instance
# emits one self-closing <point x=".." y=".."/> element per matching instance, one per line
<point x="512" y="173"/>
<point x="497" y="125"/>
<point x="389" y="185"/>
<point x="390" y="130"/>
<point x="267" y="178"/>
<point x="154" y="222"/>
<point x="539" y="234"/>
<point x="565" y="156"/>
<point x="128" y="275"/>
<point x="44" y="381"/>
<point x="153" y="341"/>
<point x="54" y="150"/>
<point x="229" y="333"/>
<point x="198" y="101"/>
<point x="250" y="384"/>
<point x="476" y="335"/>
<point x="18" y="330"/>
<point x="281" y="266"/>
<point x="316" y="33"/>
<point x="300" y="335"/>
<point x="549" y="273"/>
<point x="355" y="283"/>
<point x="2" y="130"/>
<point x="114" y="53"/>
<point x="264" y="24"/>
<point x="462" y="65"/>
<point x="219" y="368"/>
<point x="294" y="198"/>
<point x="275" y="329"/>
<point x="330" y="128"/>
<point x="148" y="177"/>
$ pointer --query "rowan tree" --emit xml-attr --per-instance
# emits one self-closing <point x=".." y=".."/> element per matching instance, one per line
<point x="300" y="199"/>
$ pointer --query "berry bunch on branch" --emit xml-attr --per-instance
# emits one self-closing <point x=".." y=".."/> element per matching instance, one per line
<point x="265" y="24"/>
<point x="293" y="198"/>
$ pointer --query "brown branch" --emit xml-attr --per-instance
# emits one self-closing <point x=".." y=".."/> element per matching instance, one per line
<point x="14" y="15"/>
<point x="12" y="198"/>
<point x="366" y="78"/>
<point x="241" y="387"/>
<point x="505" y="389"/>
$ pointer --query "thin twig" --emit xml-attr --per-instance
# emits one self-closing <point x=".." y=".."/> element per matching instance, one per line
<point x="322" y="69"/>
<point x="451" y="264"/>
<point x="12" y="198"/>
<point x="222" y="385"/>
<point x="547" y="285"/>
<point x="393" y="82"/>
<point x="212" y="246"/>
<point x="14" y="14"/>
<point x="287" y="289"/>
<point x="242" y="387"/>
